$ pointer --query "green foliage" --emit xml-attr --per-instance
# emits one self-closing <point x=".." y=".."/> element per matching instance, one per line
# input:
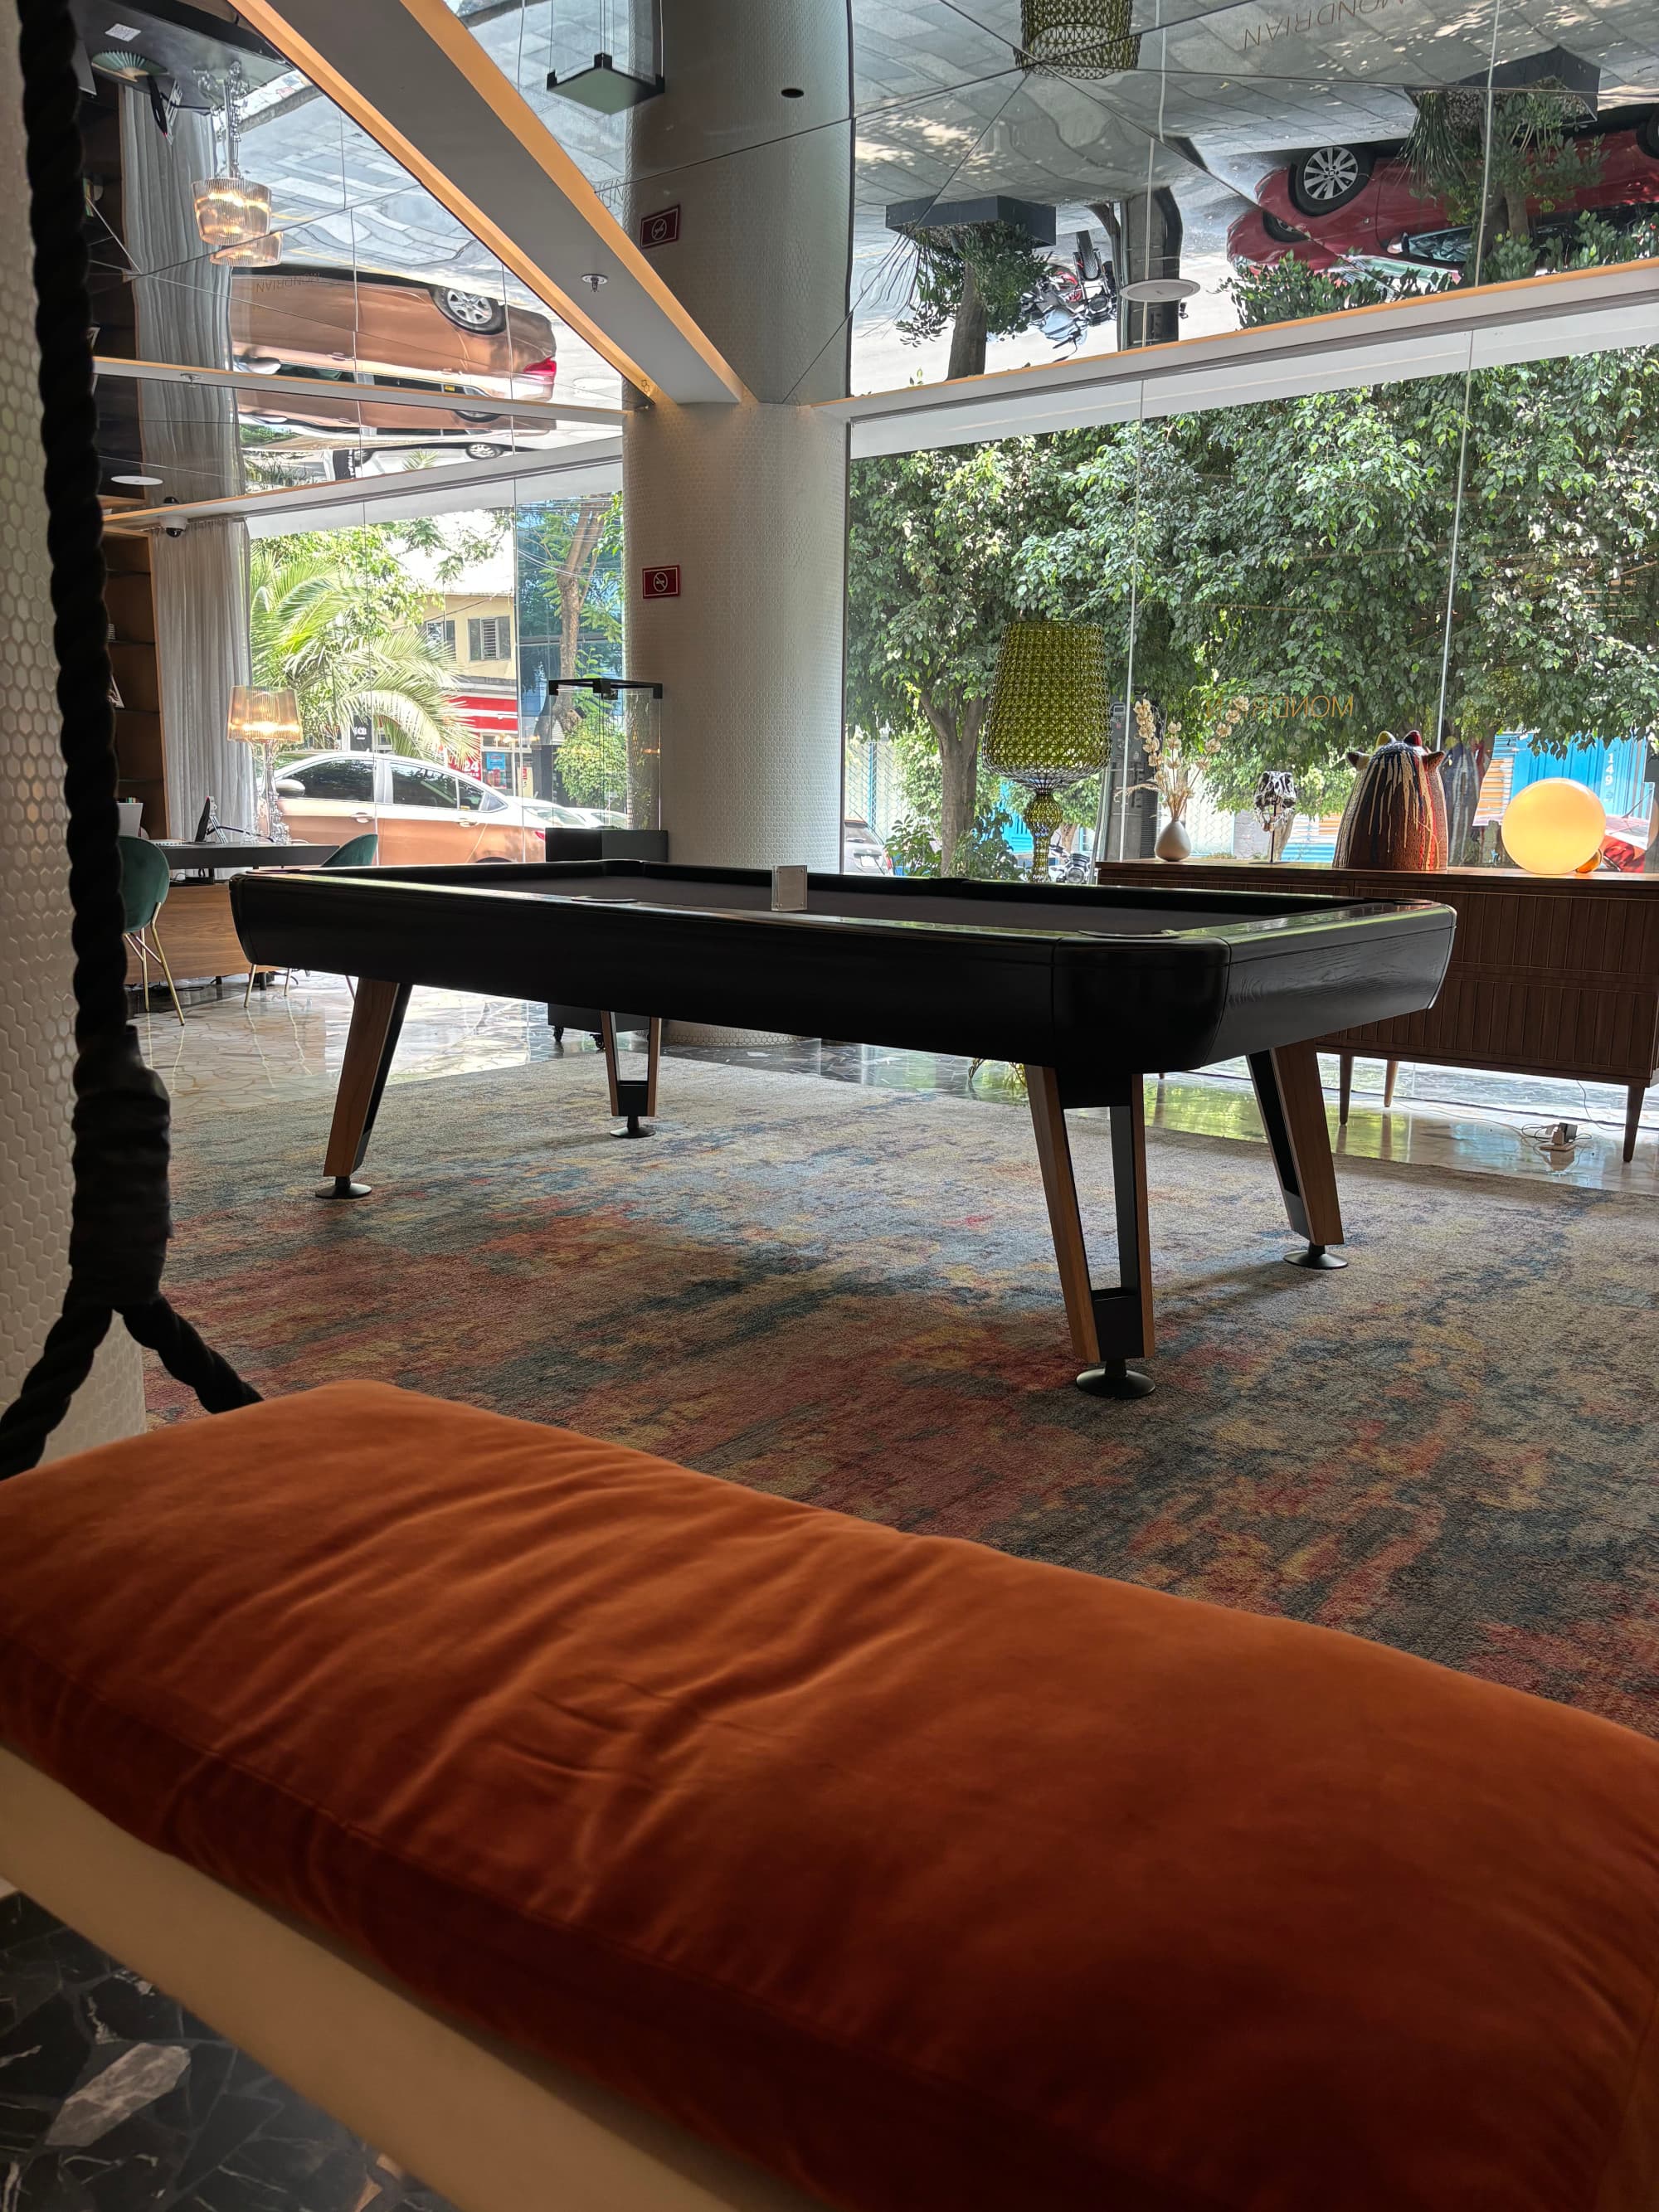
<point x="594" y="758"/>
<point x="1285" y="290"/>
<point x="333" y="616"/>
<point x="984" y="853"/>
<point x="934" y="580"/>
<point x="1532" y="158"/>
<point x="1297" y="551"/>
<point x="1006" y="264"/>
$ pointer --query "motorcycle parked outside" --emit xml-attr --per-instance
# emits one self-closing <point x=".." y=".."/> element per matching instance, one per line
<point x="1070" y="297"/>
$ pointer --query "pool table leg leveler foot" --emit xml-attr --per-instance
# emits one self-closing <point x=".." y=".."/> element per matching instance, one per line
<point x="631" y="1097"/>
<point x="1292" y="1102"/>
<point x="1110" y="1326"/>
<point x="377" y="1017"/>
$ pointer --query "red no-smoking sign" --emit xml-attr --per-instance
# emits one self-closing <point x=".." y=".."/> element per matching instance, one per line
<point x="659" y="583"/>
<point x="662" y="229"/>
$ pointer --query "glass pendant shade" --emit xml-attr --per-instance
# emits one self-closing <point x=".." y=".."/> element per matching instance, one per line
<point x="263" y="718"/>
<point x="1049" y="715"/>
<point x="229" y="210"/>
<point x="252" y="252"/>
<point x="1077" y="38"/>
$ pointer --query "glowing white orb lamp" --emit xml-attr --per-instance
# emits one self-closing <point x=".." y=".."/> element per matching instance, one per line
<point x="1554" y="827"/>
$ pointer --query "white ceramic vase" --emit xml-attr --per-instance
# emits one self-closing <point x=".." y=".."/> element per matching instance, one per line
<point x="1173" y="842"/>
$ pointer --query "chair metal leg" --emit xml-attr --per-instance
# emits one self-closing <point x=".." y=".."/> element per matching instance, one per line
<point x="135" y="942"/>
<point x="173" y="991"/>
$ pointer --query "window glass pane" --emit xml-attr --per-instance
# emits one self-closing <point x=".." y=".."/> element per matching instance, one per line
<point x="474" y="797"/>
<point x="342" y="778"/>
<point x="424" y="787"/>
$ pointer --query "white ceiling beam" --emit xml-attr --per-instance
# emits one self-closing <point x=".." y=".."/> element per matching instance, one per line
<point x="506" y="480"/>
<point x="295" y="389"/>
<point x="413" y="76"/>
<point x="1540" y="318"/>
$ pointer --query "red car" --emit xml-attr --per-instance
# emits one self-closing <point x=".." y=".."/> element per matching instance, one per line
<point x="1336" y="201"/>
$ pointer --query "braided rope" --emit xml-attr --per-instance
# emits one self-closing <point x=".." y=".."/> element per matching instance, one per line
<point x="120" y="1220"/>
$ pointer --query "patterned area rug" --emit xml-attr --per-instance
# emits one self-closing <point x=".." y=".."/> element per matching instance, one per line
<point x="848" y="1296"/>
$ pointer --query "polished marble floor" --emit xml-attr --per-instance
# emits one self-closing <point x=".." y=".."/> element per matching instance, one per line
<point x="114" y="2098"/>
<point x="287" y="1044"/>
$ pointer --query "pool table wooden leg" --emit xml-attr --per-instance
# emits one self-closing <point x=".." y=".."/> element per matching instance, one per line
<point x="377" y="1017"/>
<point x="1292" y="1102"/>
<point x="1110" y="1325"/>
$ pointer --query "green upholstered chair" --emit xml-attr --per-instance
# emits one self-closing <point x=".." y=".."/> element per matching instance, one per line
<point x="145" y="880"/>
<point x="355" y="853"/>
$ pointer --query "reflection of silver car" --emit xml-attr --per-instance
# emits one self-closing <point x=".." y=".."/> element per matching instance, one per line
<point x="318" y="319"/>
<point x="862" y="853"/>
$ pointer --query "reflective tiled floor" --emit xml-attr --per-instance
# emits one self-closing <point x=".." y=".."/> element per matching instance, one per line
<point x="287" y="1044"/>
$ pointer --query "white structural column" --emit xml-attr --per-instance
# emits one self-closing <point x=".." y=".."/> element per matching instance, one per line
<point x="36" y="1006"/>
<point x="748" y="501"/>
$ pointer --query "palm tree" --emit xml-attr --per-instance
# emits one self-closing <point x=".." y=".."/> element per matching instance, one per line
<point x="322" y="631"/>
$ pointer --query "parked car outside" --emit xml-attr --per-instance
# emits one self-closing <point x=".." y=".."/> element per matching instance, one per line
<point x="1336" y="203"/>
<point x="422" y="811"/>
<point x="862" y="853"/>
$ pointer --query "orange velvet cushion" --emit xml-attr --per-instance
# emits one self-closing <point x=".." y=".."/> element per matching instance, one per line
<point x="935" y="1881"/>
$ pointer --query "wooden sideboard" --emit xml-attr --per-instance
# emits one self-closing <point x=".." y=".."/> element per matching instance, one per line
<point x="1549" y="974"/>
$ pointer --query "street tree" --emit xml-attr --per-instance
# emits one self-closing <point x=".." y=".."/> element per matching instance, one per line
<point x="934" y="578"/>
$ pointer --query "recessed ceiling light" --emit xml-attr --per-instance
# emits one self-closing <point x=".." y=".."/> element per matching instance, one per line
<point x="1160" y="291"/>
<point x="135" y="480"/>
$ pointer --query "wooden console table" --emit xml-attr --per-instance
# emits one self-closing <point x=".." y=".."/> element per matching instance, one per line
<point x="1549" y="974"/>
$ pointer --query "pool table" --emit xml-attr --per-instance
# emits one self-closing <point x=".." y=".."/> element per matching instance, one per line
<point x="1088" y="988"/>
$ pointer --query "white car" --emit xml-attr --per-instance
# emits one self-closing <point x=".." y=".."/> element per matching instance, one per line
<point x="420" y="811"/>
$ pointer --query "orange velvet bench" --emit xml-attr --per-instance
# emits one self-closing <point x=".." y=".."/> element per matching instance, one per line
<point x="927" y="1879"/>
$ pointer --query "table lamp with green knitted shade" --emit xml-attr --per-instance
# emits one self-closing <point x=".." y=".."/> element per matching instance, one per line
<point x="1050" y="717"/>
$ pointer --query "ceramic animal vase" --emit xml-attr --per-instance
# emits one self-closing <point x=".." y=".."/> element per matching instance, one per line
<point x="1396" y="816"/>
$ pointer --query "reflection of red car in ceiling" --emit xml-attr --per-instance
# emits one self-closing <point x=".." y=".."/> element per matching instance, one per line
<point x="1335" y="202"/>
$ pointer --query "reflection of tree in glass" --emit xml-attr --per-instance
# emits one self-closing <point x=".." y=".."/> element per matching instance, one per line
<point x="1533" y="162"/>
<point x="971" y="279"/>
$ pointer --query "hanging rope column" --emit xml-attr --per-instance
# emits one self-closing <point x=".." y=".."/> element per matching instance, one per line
<point x="119" y="1220"/>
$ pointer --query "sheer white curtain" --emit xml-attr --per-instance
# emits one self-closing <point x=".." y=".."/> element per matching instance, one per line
<point x="191" y="442"/>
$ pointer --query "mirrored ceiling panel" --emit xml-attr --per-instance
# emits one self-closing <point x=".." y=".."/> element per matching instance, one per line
<point x="1032" y="180"/>
<point x="238" y="220"/>
<point x="162" y="443"/>
<point x="1094" y="174"/>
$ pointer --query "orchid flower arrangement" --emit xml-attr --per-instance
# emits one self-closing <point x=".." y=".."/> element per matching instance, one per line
<point x="1175" y="759"/>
